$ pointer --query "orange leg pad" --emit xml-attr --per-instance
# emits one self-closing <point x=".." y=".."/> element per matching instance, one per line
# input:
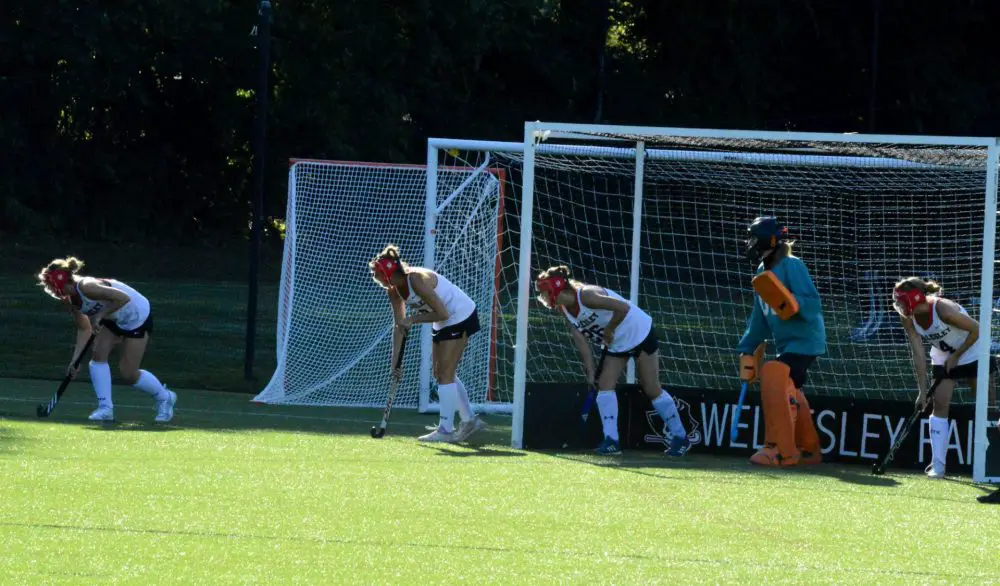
<point x="777" y="394"/>
<point x="806" y="438"/>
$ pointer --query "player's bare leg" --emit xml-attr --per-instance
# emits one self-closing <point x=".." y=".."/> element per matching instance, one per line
<point x="607" y="404"/>
<point x="648" y="368"/>
<point x="100" y="375"/>
<point x="470" y="422"/>
<point x="448" y="353"/>
<point x="938" y="423"/>
<point x="133" y="349"/>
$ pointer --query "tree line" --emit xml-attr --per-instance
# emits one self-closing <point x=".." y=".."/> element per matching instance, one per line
<point x="133" y="122"/>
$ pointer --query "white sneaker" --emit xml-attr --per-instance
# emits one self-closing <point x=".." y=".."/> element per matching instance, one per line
<point x="438" y="435"/>
<point x="165" y="408"/>
<point x="933" y="472"/>
<point x="467" y="428"/>
<point x="103" y="414"/>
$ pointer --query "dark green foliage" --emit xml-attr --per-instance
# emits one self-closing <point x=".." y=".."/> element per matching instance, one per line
<point x="131" y="122"/>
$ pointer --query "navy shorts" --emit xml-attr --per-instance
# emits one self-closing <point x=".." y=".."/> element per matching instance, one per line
<point x="466" y="327"/>
<point x="648" y="346"/>
<point x="138" y="333"/>
<point x="962" y="371"/>
<point x="798" y="364"/>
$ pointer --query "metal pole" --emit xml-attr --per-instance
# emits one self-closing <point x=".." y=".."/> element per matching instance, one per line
<point x="263" y="32"/>
<point x="873" y="92"/>
<point x="633" y="291"/>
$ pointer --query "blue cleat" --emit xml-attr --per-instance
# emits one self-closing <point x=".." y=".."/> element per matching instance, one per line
<point x="679" y="445"/>
<point x="608" y="447"/>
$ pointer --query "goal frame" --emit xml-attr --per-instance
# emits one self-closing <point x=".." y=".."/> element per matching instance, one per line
<point x="536" y="137"/>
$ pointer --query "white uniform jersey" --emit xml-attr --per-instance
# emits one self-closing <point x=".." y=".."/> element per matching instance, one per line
<point x="459" y="305"/>
<point x="128" y="317"/>
<point x="592" y="322"/>
<point x="945" y="339"/>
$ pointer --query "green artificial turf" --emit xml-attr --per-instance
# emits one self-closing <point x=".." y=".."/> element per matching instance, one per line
<point x="236" y="493"/>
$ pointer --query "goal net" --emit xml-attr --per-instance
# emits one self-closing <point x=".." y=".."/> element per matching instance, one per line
<point x="864" y="212"/>
<point x="335" y="323"/>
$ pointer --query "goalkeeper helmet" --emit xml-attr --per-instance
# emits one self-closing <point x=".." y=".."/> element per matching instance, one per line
<point x="765" y="233"/>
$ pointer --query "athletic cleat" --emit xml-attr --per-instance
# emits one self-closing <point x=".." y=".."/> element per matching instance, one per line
<point x="608" y="447"/>
<point x="439" y="435"/>
<point x="993" y="498"/>
<point x="679" y="445"/>
<point x="467" y="428"/>
<point x="165" y="408"/>
<point x="934" y="472"/>
<point x="102" y="414"/>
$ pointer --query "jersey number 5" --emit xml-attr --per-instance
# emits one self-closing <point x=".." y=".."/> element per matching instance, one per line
<point x="593" y="332"/>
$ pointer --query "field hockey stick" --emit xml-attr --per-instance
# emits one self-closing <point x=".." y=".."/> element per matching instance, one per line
<point x="379" y="430"/>
<point x="758" y="357"/>
<point x="736" y="415"/>
<point x="879" y="466"/>
<point x="588" y="405"/>
<point x="45" y="409"/>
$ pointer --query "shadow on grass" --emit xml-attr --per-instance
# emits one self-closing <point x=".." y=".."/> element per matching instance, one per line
<point x="472" y="451"/>
<point x="656" y="465"/>
<point x="983" y="486"/>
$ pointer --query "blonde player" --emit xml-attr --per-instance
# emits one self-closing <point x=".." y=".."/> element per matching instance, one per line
<point x="598" y="315"/>
<point x="955" y="346"/>
<point x="435" y="300"/>
<point x="118" y="314"/>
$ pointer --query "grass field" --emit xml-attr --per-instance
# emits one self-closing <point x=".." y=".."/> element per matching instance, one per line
<point x="235" y="493"/>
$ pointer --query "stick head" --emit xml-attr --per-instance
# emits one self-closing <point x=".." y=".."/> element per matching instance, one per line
<point x="42" y="410"/>
<point x="377" y="432"/>
<point x="877" y="469"/>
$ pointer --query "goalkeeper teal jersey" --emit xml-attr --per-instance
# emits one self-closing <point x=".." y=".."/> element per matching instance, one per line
<point x="803" y="333"/>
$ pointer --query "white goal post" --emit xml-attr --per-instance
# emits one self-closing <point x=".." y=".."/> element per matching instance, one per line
<point x="659" y="214"/>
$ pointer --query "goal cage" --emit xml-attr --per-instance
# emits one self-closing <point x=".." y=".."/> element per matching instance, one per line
<point x="660" y="216"/>
<point x="335" y="323"/>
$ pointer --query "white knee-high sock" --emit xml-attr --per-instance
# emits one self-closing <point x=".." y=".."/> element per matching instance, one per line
<point x="607" y="406"/>
<point x="447" y="398"/>
<point x="100" y="375"/>
<point x="148" y="383"/>
<point x="939" y="440"/>
<point x="667" y="408"/>
<point x="464" y="405"/>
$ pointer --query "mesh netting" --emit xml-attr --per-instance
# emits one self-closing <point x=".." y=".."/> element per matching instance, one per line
<point x="863" y="216"/>
<point x="334" y="322"/>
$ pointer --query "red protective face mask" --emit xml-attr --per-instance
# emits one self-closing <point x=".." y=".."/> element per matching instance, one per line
<point x="907" y="301"/>
<point x="550" y="289"/>
<point x="386" y="267"/>
<point x="56" y="279"/>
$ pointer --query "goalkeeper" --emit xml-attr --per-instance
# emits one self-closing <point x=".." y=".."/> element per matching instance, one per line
<point x="787" y="310"/>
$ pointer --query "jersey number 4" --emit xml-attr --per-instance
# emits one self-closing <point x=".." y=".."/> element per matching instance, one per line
<point x="944" y="346"/>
